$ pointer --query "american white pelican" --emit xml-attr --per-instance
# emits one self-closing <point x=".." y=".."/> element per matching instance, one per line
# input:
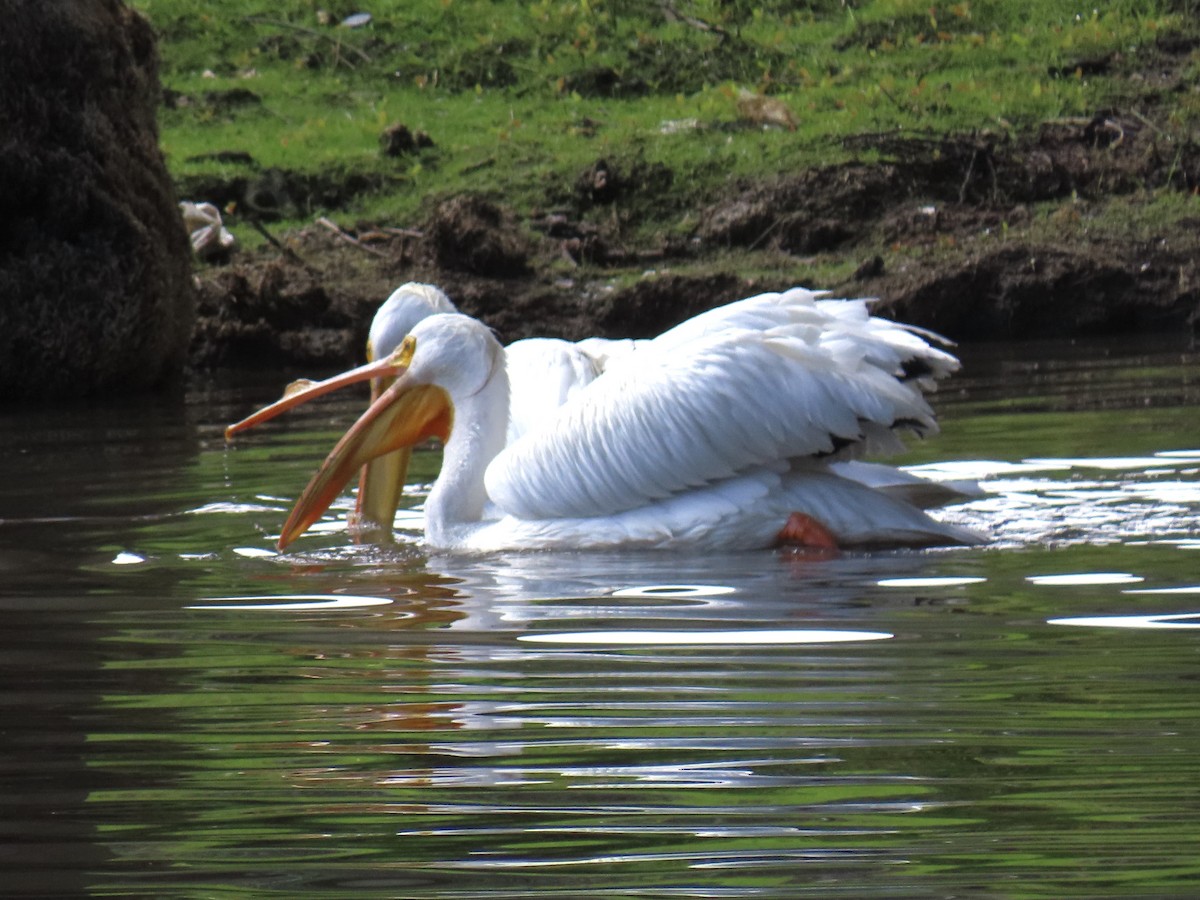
<point x="712" y="435"/>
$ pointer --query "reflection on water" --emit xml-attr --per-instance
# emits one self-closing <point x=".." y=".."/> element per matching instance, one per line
<point x="289" y="602"/>
<point x="1086" y="578"/>
<point x="1166" y="620"/>
<point x="186" y="712"/>
<point x="703" y="637"/>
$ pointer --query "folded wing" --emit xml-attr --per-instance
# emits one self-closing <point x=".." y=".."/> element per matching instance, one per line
<point x="686" y="410"/>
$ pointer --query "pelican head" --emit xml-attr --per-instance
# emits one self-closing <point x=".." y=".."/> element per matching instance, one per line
<point x="399" y="314"/>
<point x="448" y="362"/>
<point x="382" y="481"/>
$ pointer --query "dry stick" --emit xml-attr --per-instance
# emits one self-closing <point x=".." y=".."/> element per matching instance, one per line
<point x="671" y="14"/>
<point x="325" y="223"/>
<point x="962" y="188"/>
<point x="896" y="103"/>
<point x="775" y="225"/>
<point x="976" y="153"/>
<point x="1146" y="121"/>
<point x="288" y="252"/>
<point x="1070" y="120"/>
<point x="475" y="167"/>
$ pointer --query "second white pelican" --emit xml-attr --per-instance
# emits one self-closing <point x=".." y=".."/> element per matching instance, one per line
<point x="543" y="373"/>
<point x="709" y="437"/>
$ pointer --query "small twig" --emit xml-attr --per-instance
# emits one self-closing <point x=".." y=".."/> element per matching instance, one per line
<point x="774" y="226"/>
<point x="404" y="232"/>
<point x="671" y="14"/>
<point x="1115" y="126"/>
<point x="900" y="106"/>
<point x="332" y="226"/>
<point x="288" y="252"/>
<point x="991" y="164"/>
<point x="1137" y="115"/>
<point x="1070" y="120"/>
<point x="962" y="188"/>
<point x="475" y="167"/>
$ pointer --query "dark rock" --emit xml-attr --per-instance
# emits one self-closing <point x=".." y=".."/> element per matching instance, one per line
<point x="598" y="184"/>
<point x="399" y="140"/>
<point x="471" y="234"/>
<point x="870" y="268"/>
<point x="96" y="290"/>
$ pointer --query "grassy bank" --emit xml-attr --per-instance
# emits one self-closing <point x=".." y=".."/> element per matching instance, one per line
<point x="990" y="169"/>
<point x="519" y="98"/>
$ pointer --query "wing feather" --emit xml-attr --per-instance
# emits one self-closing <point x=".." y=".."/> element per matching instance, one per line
<point x="543" y="373"/>
<point x="684" y="411"/>
<point x="894" y="344"/>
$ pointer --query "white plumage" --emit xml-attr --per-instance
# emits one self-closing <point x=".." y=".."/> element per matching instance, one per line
<point x="396" y="316"/>
<point x="543" y="372"/>
<point x="710" y="435"/>
<point x="697" y="412"/>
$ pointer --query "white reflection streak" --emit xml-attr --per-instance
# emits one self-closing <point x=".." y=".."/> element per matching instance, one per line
<point x="1159" y="621"/>
<point x="981" y="469"/>
<point x="1107" y="463"/>
<point x="233" y="508"/>
<point x="1182" y="492"/>
<point x="675" y="590"/>
<point x="292" y="602"/>
<point x="1190" y="589"/>
<point x="1085" y="578"/>
<point x="706" y="638"/>
<point x="254" y="552"/>
<point x="932" y="581"/>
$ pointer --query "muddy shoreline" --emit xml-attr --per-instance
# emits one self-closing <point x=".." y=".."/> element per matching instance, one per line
<point x="979" y="237"/>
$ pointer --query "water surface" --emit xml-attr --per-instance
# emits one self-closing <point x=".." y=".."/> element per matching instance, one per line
<point x="186" y="713"/>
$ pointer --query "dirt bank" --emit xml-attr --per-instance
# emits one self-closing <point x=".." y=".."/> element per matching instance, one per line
<point x="982" y="236"/>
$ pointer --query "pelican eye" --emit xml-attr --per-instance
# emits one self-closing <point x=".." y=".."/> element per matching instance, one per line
<point x="401" y="358"/>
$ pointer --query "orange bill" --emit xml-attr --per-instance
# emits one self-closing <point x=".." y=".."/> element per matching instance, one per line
<point x="403" y="416"/>
<point x="299" y="392"/>
<point x="380" y="487"/>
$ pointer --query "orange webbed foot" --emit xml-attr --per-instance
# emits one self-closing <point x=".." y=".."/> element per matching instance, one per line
<point x="804" y="531"/>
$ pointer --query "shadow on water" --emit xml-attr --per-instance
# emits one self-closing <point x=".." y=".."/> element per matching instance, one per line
<point x="76" y="482"/>
<point x="186" y="713"/>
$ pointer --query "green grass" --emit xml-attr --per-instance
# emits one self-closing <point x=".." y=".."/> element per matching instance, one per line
<point x="519" y="98"/>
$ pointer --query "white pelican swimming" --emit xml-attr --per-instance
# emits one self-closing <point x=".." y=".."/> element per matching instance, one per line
<point x="719" y="433"/>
